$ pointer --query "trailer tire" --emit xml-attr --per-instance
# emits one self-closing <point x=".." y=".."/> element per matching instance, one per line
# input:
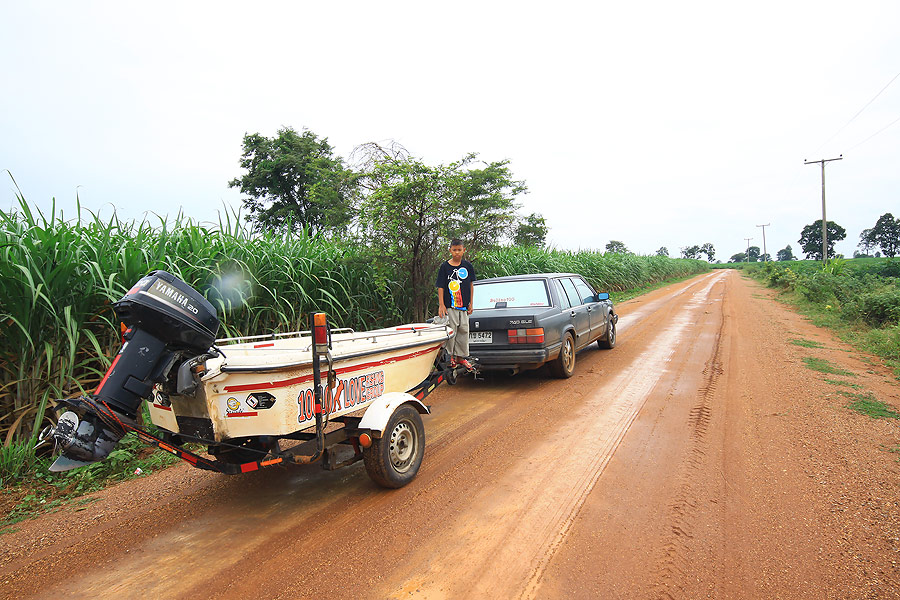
<point x="393" y="460"/>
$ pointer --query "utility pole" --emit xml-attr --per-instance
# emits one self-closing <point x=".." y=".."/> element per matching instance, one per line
<point x="748" y="249"/>
<point x="765" y="257"/>
<point x="824" y="221"/>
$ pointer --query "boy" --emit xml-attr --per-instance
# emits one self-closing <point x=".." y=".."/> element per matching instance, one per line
<point x="455" y="287"/>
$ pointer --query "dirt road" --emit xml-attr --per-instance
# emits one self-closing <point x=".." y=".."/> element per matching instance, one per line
<point x="700" y="458"/>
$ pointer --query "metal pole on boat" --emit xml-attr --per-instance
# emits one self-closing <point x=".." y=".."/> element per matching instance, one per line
<point x="319" y="330"/>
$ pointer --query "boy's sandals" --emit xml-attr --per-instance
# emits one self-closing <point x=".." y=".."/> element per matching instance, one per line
<point x="466" y="365"/>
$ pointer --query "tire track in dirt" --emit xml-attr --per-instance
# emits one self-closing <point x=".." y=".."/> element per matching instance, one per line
<point x="673" y="563"/>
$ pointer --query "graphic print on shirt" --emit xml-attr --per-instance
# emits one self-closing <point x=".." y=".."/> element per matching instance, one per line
<point x="457" y="276"/>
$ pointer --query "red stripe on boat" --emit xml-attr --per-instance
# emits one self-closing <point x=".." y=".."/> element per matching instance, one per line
<point x="244" y="414"/>
<point x="272" y="385"/>
<point x="111" y="367"/>
<point x="268" y="345"/>
<point x="161" y="407"/>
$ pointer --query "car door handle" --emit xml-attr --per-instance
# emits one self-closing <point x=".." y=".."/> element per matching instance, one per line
<point x="573" y="313"/>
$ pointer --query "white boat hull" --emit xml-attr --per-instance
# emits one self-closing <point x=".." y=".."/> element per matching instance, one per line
<point x="265" y="387"/>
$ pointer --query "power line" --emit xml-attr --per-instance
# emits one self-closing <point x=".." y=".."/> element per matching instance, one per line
<point x="874" y="134"/>
<point x="859" y="112"/>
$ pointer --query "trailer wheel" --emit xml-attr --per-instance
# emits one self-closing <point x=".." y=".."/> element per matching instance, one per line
<point x="393" y="460"/>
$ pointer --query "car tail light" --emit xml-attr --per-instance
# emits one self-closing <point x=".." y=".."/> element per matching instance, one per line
<point x="526" y="336"/>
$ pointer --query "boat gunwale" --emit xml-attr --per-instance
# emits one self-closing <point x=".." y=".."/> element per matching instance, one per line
<point x="225" y="368"/>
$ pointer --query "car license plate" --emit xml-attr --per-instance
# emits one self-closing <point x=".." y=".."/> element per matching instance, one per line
<point x="480" y="337"/>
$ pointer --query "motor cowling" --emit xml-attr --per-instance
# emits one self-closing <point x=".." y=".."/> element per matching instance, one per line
<point x="165" y="319"/>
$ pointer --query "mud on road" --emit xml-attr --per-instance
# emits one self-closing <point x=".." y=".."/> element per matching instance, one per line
<point x="700" y="458"/>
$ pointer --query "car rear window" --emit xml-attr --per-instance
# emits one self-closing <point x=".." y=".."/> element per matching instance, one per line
<point x="531" y="292"/>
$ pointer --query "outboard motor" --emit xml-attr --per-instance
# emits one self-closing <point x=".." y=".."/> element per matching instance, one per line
<point x="165" y="319"/>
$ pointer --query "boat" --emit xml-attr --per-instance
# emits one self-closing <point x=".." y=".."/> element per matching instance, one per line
<point x="264" y="385"/>
<point x="243" y="397"/>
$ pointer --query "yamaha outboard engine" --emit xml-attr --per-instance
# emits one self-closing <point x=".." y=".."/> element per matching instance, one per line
<point x="165" y="319"/>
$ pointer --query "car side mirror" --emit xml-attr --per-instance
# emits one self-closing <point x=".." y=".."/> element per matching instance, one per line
<point x="602" y="296"/>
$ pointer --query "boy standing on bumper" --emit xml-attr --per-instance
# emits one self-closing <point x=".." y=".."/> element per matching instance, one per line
<point x="455" y="287"/>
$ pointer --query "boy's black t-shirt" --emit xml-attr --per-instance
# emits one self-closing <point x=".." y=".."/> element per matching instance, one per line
<point x="456" y="283"/>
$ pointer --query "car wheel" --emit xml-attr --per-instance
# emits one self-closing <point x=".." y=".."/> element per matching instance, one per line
<point x="608" y="341"/>
<point x="564" y="365"/>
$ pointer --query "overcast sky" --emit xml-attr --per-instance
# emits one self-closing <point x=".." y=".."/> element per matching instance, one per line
<point x="653" y="123"/>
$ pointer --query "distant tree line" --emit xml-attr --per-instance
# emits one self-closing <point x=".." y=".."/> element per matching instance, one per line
<point x="885" y="234"/>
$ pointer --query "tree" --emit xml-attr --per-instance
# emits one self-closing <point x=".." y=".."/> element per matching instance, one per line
<point x="753" y="254"/>
<point x="785" y="253"/>
<point x="482" y="201"/>
<point x="765" y="257"/>
<point x="709" y="251"/>
<point x="886" y="234"/>
<point x="411" y="211"/>
<point x="867" y="241"/>
<point x="531" y="232"/>
<point x="738" y="258"/>
<point x="616" y="247"/>
<point x="811" y="239"/>
<point x="294" y="181"/>
<point x="690" y="252"/>
<point x="663" y="251"/>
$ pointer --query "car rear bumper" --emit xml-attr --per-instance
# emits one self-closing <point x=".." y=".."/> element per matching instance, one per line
<point x="491" y="359"/>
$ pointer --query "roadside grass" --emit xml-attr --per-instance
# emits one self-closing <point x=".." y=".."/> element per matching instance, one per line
<point x="855" y="386"/>
<point x="867" y="404"/>
<point x="894" y="450"/>
<point x="823" y="366"/>
<point x="807" y="343"/>
<point x="40" y="491"/>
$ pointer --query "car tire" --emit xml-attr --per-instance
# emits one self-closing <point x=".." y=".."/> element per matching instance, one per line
<point x="608" y="341"/>
<point x="564" y="365"/>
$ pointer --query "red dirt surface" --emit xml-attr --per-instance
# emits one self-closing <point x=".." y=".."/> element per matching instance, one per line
<point x="700" y="458"/>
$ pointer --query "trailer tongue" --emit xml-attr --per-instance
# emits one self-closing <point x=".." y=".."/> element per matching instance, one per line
<point x="246" y="397"/>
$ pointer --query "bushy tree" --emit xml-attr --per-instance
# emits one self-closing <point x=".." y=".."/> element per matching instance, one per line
<point x="709" y="251"/>
<point x="886" y="234"/>
<point x="531" y="232"/>
<point x="867" y="241"/>
<point x="738" y="258"/>
<point x="295" y="181"/>
<point x="690" y="252"/>
<point x="663" y="251"/>
<point x="786" y="253"/>
<point x="811" y="239"/>
<point x="616" y="247"/>
<point x="753" y="254"/>
<point x="411" y="210"/>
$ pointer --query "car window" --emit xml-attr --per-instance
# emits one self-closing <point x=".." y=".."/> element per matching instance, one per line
<point x="563" y="298"/>
<point x="574" y="299"/>
<point x="584" y="291"/>
<point x="529" y="292"/>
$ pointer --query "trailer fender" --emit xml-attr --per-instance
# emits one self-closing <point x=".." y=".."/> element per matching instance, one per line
<point x="379" y="412"/>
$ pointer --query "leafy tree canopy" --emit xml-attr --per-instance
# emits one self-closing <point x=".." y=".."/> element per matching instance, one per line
<point x="690" y="252"/>
<point x="294" y="181"/>
<point x="753" y="253"/>
<point x="616" y="247"/>
<point x="531" y="232"/>
<point x="811" y="239"/>
<point x="709" y="251"/>
<point x="785" y="253"/>
<point x="663" y="251"/>
<point x="886" y="234"/>
<point x="739" y="257"/>
<point x="411" y="210"/>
